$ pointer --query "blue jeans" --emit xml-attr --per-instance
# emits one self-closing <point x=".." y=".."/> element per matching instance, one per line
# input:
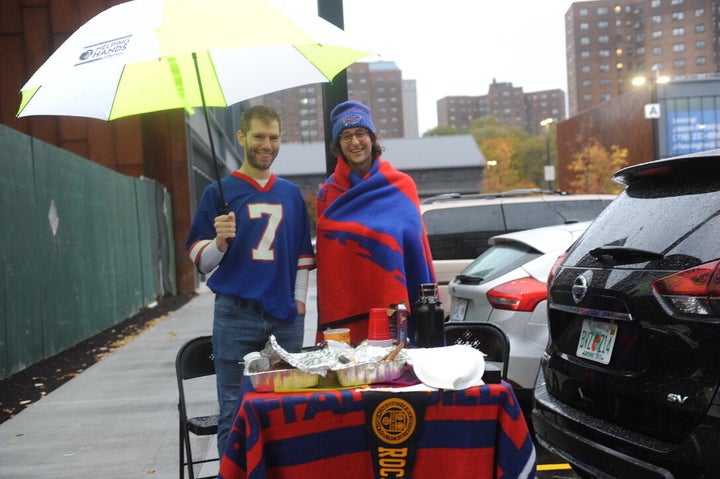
<point x="241" y="327"/>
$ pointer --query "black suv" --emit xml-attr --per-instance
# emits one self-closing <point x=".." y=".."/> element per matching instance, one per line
<point x="628" y="384"/>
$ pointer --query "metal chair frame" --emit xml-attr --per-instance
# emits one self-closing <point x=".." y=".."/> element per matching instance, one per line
<point x="193" y="360"/>
<point x="486" y="337"/>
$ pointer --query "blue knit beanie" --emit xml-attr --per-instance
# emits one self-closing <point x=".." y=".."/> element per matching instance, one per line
<point x="350" y="114"/>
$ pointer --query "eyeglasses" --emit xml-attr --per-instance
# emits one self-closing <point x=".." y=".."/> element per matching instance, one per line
<point x="347" y="137"/>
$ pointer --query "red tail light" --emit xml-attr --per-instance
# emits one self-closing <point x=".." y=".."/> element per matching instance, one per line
<point x="694" y="291"/>
<point x="556" y="267"/>
<point x="519" y="295"/>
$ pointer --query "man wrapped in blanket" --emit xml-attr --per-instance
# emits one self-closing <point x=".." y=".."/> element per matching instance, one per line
<point x="372" y="249"/>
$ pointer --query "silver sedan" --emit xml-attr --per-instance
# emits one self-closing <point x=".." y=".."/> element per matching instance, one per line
<point x="507" y="285"/>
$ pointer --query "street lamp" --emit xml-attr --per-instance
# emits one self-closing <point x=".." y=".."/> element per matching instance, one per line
<point x="652" y="109"/>
<point x="549" y="168"/>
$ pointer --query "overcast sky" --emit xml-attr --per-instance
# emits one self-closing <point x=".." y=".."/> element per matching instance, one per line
<point x="457" y="47"/>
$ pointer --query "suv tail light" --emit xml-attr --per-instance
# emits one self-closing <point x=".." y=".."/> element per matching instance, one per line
<point x="519" y="295"/>
<point x="694" y="291"/>
<point x="556" y="267"/>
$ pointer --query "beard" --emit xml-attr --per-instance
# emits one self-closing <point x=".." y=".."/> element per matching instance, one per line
<point x="258" y="163"/>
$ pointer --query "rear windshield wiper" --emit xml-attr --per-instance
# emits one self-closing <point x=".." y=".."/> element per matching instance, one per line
<point x="466" y="279"/>
<point x="625" y="253"/>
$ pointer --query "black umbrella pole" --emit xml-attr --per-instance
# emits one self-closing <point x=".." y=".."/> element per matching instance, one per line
<point x="224" y="207"/>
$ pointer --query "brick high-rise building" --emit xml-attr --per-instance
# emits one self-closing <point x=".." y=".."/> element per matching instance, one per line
<point x="608" y="43"/>
<point x="377" y="84"/>
<point x="508" y="104"/>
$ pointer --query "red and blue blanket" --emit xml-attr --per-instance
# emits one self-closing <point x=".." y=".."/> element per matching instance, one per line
<point x="372" y="249"/>
<point x="479" y="432"/>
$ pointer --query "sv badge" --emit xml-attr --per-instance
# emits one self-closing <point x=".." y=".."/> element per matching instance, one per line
<point x="676" y="398"/>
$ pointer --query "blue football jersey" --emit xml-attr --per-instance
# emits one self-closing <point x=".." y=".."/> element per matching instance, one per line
<point x="271" y="244"/>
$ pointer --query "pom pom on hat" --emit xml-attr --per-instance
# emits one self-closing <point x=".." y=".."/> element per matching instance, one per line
<point x="350" y="114"/>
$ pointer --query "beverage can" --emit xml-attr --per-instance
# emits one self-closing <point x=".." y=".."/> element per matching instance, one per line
<point x="401" y="323"/>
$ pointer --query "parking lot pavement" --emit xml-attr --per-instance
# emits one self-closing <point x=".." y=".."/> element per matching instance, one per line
<point x="551" y="466"/>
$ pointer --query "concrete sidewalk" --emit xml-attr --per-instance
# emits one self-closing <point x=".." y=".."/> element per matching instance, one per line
<point x="118" y="418"/>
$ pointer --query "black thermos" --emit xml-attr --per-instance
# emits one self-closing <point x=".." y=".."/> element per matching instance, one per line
<point x="428" y="317"/>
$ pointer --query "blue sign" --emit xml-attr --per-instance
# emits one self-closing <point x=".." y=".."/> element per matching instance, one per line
<point x="692" y="131"/>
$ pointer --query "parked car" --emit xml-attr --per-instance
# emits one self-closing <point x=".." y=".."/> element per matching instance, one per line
<point x="507" y="285"/>
<point x="628" y="385"/>
<point x="459" y="226"/>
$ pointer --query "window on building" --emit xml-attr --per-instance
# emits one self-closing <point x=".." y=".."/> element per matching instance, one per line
<point x="584" y="26"/>
<point x="678" y="32"/>
<point x="603" y="39"/>
<point x="604" y="67"/>
<point x="603" y="24"/>
<point x="656" y="19"/>
<point x="700" y="45"/>
<point x="603" y="10"/>
<point x="604" y="53"/>
<point x="605" y="82"/>
<point x="656" y="34"/>
<point x="679" y="63"/>
<point x="585" y="69"/>
<point x="584" y="40"/>
<point x="677" y="16"/>
<point x="701" y="61"/>
<point x="587" y="98"/>
<point x="657" y="51"/>
<point x="583" y="12"/>
<point x="654" y="3"/>
<point x="700" y="28"/>
<point x="678" y="47"/>
<point x="584" y="54"/>
<point x="677" y="2"/>
<point x="586" y="83"/>
<point x="700" y="12"/>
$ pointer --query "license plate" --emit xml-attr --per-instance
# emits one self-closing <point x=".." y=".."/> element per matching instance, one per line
<point x="596" y="341"/>
<point x="458" y="310"/>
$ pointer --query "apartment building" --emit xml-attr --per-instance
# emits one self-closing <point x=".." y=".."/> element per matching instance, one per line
<point x="377" y="84"/>
<point x="508" y="104"/>
<point x="608" y="43"/>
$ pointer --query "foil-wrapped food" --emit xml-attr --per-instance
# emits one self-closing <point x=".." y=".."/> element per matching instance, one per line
<point x="275" y="369"/>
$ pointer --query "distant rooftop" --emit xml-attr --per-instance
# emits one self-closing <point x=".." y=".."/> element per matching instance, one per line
<point x="435" y="152"/>
<point x="382" y="66"/>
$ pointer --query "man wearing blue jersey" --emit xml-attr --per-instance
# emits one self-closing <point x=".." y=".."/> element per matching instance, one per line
<point x="260" y="277"/>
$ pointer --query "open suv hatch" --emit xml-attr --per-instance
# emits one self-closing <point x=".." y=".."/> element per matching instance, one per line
<point x="628" y="382"/>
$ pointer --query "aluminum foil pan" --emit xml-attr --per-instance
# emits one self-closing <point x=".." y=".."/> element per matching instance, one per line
<point x="282" y="379"/>
<point x="356" y="374"/>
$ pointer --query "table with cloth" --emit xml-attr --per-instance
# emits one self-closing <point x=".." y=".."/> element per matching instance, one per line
<point x="478" y="432"/>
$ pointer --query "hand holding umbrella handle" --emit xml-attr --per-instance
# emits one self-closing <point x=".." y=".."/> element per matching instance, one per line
<point x="224" y="210"/>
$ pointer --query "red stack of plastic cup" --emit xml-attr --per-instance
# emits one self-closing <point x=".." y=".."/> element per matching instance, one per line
<point x="379" y="328"/>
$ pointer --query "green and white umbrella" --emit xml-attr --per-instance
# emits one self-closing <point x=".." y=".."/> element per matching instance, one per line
<point x="151" y="55"/>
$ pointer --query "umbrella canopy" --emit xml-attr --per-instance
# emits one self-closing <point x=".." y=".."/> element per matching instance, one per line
<point x="151" y="55"/>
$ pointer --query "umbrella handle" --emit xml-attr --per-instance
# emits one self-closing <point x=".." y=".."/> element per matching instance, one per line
<point x="224" y="210"/>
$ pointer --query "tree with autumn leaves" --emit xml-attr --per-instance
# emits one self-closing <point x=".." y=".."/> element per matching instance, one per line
<point x="516" y="160"/>
<point x="592" y="167"/>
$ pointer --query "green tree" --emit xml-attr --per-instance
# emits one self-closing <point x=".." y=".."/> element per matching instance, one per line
<point x="514" y="157"/>
<point x="503" y="171"/>
<point x="592" y="168"/>
<point x="442" y="131"/>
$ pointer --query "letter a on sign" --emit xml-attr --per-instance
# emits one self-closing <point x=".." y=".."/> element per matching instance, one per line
<point x="652" y="110"/>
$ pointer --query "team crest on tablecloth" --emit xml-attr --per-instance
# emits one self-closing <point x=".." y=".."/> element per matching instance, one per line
<point x="394" y="421"/>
